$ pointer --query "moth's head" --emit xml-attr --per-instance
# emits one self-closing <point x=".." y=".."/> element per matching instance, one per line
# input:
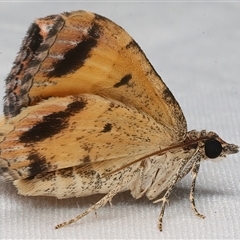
<point x="213" y="147"/>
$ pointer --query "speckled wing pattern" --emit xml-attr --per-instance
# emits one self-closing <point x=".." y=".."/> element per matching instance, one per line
<point x="85" y="129"/>
<point x="69" y="55"/>
<point x="82" y="52"/>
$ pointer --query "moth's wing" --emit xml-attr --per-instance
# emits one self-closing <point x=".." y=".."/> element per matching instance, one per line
<point x="82" y="52"/>
<point x="73" y="131"/>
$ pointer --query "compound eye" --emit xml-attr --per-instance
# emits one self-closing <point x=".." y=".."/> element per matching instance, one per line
<point x="213" y="148"/>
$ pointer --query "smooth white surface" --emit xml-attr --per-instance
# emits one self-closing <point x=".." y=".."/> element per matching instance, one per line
<point x="195" y="48"/>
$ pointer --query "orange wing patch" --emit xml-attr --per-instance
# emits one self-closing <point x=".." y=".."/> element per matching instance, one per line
<point x="84" y="129"/>
<point x="82" y="52"/>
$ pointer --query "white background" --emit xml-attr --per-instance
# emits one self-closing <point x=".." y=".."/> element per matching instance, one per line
<point x="195" y="47"/>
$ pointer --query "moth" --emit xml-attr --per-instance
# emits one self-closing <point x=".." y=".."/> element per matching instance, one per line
<point x="85" y="113"/>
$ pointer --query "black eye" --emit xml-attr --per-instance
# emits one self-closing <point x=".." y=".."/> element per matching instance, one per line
<point x="213" y="148"/>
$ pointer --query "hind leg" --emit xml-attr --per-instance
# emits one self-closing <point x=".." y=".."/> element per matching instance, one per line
<point x="102" y="202"/>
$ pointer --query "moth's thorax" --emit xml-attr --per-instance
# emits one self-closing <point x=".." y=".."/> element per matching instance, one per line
<point x="158" y="171"/>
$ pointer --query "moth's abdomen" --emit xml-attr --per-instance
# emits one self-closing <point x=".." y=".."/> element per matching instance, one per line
<point x="72" y="182"/>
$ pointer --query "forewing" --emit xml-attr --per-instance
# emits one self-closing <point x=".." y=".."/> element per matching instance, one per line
<point x="82" y="52"/>
<point x="77" y="131"/>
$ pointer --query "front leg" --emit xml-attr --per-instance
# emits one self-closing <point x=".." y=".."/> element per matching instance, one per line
<point x="165" y="199"/>
<point x="195" y="170"/>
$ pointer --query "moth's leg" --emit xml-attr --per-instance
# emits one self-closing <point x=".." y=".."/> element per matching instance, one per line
<point x="102" y="202"/>
<point x="165" y="199"/>
<point x="195" y="170"/>
<point x="136" y="190"/>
